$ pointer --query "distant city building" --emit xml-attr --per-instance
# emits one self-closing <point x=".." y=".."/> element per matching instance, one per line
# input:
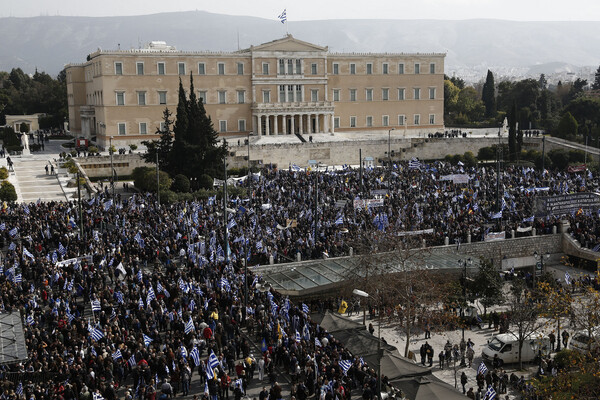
<point x="281" y="87"/>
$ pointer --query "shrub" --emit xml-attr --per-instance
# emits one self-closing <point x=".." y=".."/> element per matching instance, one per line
<point x="144" y="179"/>
<point x="568" y="359"/>
<point x="3" y="173"/>
<point x="133" y="147"/>
<point x="181" y="184"/>
<point x="7" y="192"/>
<point x="92" y="149"/>
<point x="205" y="182"/>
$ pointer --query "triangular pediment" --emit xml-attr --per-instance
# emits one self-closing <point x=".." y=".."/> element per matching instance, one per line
<point x="288" y="43"/>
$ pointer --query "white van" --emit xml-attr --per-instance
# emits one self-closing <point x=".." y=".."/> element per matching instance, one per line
<point x="506" y="346"/>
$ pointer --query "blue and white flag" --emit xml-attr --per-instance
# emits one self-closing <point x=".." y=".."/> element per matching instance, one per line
<point x="183" y="351"/>
<point x="231" y="223"/>
<point x="61" y="249"/>
<point x="139" y="275"/>
<point x="119" y="296"/>
<point x="97" y="334"/>
<point x="97" y="396"/>
<point x="414" y="164"/>
<point x="189" y="326"/>
<point x="54" y="257"/>
<point x="96" y="305"/>
<point x="30" y="320"/>
<point x="213" y="361"/>
<point x="2" y="226"/>
<point x="195" y="354"/>
<point x="306" y="332"/>
<point x="490" y="394"/>
<point x="345" y="365"/>
<point x="28" y="254"/>
<point x="283" y="16"/>
<point x="26" y="210"/>
<point x="12" y="246"/>
<point x="482" y="369"/>
<point x="108" y="205"/>
<point x="305" y="309"/>
<point x="147" y="340"/>
<point x="116" y="355"/>
<point x="567" y="278"/>
<point x="530" y="219"/>
<point x="318" y="342"/>
<point x="19" y="390"/>
<point x="210" y="374"/>
<point x="96" y="236"/>
<point x="496" y="215"/>
<point x="13" y="232"/>
<point x="298" y="339"/>
<point x="224" y="284"/>
<point x="339" y="220"/>
<point x="131" y="361"/>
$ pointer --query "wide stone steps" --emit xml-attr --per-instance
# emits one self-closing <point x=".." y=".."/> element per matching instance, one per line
<point x="32" y="183"/>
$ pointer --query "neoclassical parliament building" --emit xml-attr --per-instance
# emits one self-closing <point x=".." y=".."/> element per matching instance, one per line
<point x="282" y="87"/>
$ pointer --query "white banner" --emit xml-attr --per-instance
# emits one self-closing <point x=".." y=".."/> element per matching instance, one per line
<point x="519" y="229"/>
<point x="420" y="232"/>
<point x="494" y="236"/>
<point x="370" y="203"/>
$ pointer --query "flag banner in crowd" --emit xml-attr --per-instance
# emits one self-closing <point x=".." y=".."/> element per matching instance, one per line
<point x="490" y="394"/>
<point x="413" y="233"/>
<point x="305" y="309"/>
<point x="96" y="306"/>
<point x="97" y="334"/>
<point x="367" y="203"/>
<point x="496" y="215"/>
<point x="213" y="361"/>
<point x="565" y="204"/>
<point x="189" y="326"/>
<point x="491" y="236"/>
<point x="455" y="178"/>
<point x="482" y="369"/>
<point x="345" y="365"/>
<point x="131" y="361"/>
<point x="524" y="229"/>
<point x="567" y="278"/>
<point x="116" y="355"/>
<point x="195" y="354"/>
<point x="147" y="340"/>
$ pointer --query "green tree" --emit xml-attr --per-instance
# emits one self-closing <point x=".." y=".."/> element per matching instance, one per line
<point x="181" y="184"/>
<point x="7" y="192"/>
<point x="596" y="84"/>
<point x="23" y="128"/>
<point x="163" y="146"/>
<point x="487" y="285"/>
<point x="543" y="82"/>
<point x="486" y="153"/>
<point x="567" y="127"/>
<point x="178" y="156"/>
<point x="559" y="158"/>
<point x="488" y="95"/>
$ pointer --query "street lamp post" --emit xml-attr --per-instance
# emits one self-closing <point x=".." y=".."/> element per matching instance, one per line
<point x="112" y="170"/>
<point x="463" y="264"/>
<point x="539" y="264"/>
<point x="366" y="295"/>
<point x="389" y="159"/>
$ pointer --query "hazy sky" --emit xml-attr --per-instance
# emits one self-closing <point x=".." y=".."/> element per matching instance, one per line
<point x="521" y="10"/>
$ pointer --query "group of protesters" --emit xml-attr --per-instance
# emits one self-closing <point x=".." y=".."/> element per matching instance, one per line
<point x="127" y="292"/>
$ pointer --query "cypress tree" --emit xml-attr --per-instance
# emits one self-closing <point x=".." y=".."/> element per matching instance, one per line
<point x="488" y="95"/>
<point x="178" y="157"/>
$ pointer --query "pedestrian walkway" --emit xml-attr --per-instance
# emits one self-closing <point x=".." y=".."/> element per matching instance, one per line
<point x="31" y="182"/>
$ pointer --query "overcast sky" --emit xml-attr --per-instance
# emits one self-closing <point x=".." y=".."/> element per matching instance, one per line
<point x="519" y="10"/>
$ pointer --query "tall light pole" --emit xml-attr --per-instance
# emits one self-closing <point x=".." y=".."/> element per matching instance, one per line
<point x="361" y="293"/>
<point x="112" y="170"/>
<point x="158" y="182"/>
<point x="389" y="159"/>
<point x="463" y="264"/>
<point x="539" y="262"/>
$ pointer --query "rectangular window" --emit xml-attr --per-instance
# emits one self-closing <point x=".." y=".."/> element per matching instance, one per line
<point x="385" y="94"/>
<point x="369" y="94"/>
<point x="385" y="68"/>
<point x="202" y="96"/>
<point x="385" y="120"/>
<point x="401" y="120"/>
<point x="369" y="68"/>
<point x="122" y="128"/>
<point x="298" y="92"/>
<point x="352" y="122"/>
<point x="336" y="68"/>
<point x="222" y="96"/>
<point x="160" y="68"/>
<point x="118" y="68"/>
<point x="336" y="122"/>
<point x="201" y="69"/>
<point x="143" y="128"/>
<point x="401" y="93"/>
<point x="431" y="119"/>
<point x="352" y="69"/>
<point x="181" y="68"/>
<point x="162" y="97"/>
<point x="352" y="94"/>
<point x="281" y="67"/>
<point x="265" y="67"/>
<point x="298" y="67"/>
<point x="266" y="96"/>
<point x="140" y="68"/>
<point x="401" y="68"/>
<point x="417" y="94"/>
<point x="282" y="93"/>
<point x="369" y="120"/>
<point x="417" y="120"/>
<point x="290" y="69"/>
<point x="336" y="94"/>
<point x="221" y="68"/>
<point x="431" y="93"/>
<point x="141" y="98"/>
<point x="222" y="126"/>
<point x="120" y="98"/>
<point x="417" y="68"/>
<point x="432" y="68"/>
<point x="314" y="95"/>
<point x="240" y="67"/>
<point x="241" y="96"/>
<point x="290" y="89"/>
<point x="241" y="125"/>
<point x="313" y="68"/>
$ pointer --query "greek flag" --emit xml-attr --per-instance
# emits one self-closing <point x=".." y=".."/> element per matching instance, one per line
<point x="183" y="351"/>
<point x="339" y="220"/>
<point x="195" y="354"/>
<point x="70" y="286"/>
<point x="97" y="334"/>
<point x="12" y="246"/>
<point x="119" y="296"/>
<point x="132" y="361"/>
<point x="19" y="390"/>
<point x="147" y="340"/>
<point x="30" y="320"/>
<point x="210" y="374"/>
<point x="283" y="16"/>
<point x="71" y="317"/>
<point x="141" y="303"/>
<point x="213" y="361"/>
<point x="18" y="278"/>
<point x="108" y="205"/>
<point x="96" y="305"/>
<point x="28" y="253"/>
<point x="224" y="284"/>
<point x="26" y="210"/>
<point x="97" y="396"/>
<point x="259" y="245"/>
<point x="13" y="232"/>
<point x="139" y="275"/>
<point x="151" y="295"/>
<point x="2" y="226"/>
<point x="93" y="351"/>
<point x="482" y="369"/>
<point x="306" y="332"/>
<point x="496" y="215"/>
<point x="239" y="383"/>
<point x="318" y="342"/>
<point x="298" y="339"/>
<point x="192" y="305"/>
<point x="189" y="326"/>
<point x="138" y="239"/>
<point x="116" y="355"/>
<point x="54" y="257"/>
<point x="530" y="219"/>
<point x="414" y="164"/>
<point x="61" y="249"/>
<point x="231" y="223"/>
<point x="96" y="236"/>
<point x="361" y="361"/>
<point x="345" y="365"/>
<point x="490" y="394"/>
<point x="567" y="278"/>
<point x="159" y="287"/>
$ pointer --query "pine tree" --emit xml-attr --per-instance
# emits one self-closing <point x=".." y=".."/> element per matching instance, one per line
<point x="178" y="157"/>
<point x="488" y="95"/>
<point x="596" y="84"/>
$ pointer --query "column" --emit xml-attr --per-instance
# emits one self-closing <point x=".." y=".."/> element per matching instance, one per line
<point x="317" y="130"/>
<point x="254" y="124"/>
<point x="275" y="127"/>
<point x="332" y="123"/>
<point x="292" y="127"/>
<point x="267" y="127"/>
<point x="325" y="123"/>
<point x="309" y="118"/>
<point x="300" y="118"/>
<point x="283" y="124"/>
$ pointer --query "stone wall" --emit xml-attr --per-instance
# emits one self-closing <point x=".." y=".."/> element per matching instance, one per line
<point x="124" y="164"/>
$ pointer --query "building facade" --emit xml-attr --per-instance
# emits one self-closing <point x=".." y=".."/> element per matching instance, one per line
<point x="282" y="87"/>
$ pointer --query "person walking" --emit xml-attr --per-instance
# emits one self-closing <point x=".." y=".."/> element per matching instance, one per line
<point x="565" y="338"/>
<point x="470" y="355"/>
<point x="463" y="381"/>
<point x="46" y="168"/>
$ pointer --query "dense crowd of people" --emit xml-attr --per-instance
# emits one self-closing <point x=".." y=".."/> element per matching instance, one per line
<point x="151" y="294"/>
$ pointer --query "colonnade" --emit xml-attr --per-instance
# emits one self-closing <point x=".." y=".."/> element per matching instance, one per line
<point x="286" y="124"/>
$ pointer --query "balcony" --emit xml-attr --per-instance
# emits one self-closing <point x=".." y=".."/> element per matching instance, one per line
<point x="293" y="107"/>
